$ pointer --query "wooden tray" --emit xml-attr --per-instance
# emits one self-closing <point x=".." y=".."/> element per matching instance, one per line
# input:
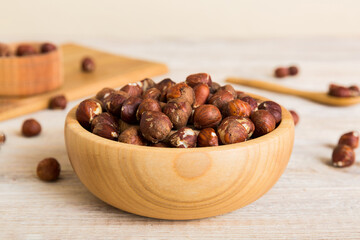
<point x="111" y="71"/>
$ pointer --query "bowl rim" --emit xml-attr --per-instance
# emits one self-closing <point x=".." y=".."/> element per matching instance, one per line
<point x="71" y="124"/>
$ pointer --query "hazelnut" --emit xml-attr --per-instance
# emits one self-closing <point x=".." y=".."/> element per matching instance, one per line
<point x="132" y="135"/>
<point x="31" y="128"/>
<point x="293" y="70"/>
<point x="237" y="108"/>
<point x="129" y="108"/>
<point x="124" y="125"/>
<point x="163" y="86"/>
<point x="264" y="122"/>
<point x="58" y="102"/>
<point x="183" y="138"/>
<point x="281" y="72"/>
<point x="214" y="87"/>
<point x="104" y="93"/>
<point x="153" y="93"/>
<point x="341" y="91"/>
<point x="221" y="98"/>
<point x="355" y="89"/>
<point x="47" y="47"/>
<point x="207" y="116"/>
<point x="146" y="83"/>
<point x="194" y="79"/>
<point x="114" y="102"/>
<point x="2" y="138"/>
<point x="181" y="90"/>
<point x="148" y="104"/>
<point x="87" y="65"/>
<point x="86" y="111"/>
<point x="48" y="169"/>
<point x="251" y="101"/>
<point x="202" y="92"/>
<point x="231" y="131"/>
<point x="4" y="50"/>
<point x="229" y="88"/>
<point x="178" y="112"/>
<point x="159" y="144"/>
<point x="247" y="124"/>
<point x="155" y="126"/>
<point x="343" y="156"/>
<point x="133" y="89"/>
<point x="273" y="108"/>
<point x="207" y="138"/>
<point x="106" y="131"/>
<point x="25" y="50"/>
<point x="351" y="139"/>
<point x="105" y="118"/>
<point x="295" y="116"/>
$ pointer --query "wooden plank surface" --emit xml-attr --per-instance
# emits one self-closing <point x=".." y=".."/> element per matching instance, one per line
<point x="312" y="200"/>
<point x="111" y="70"/>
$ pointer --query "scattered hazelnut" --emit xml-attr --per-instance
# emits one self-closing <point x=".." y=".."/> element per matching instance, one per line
<point x="207" y="138"/>
<point x="163" y="86"/>
<point x="251" y="101"/>
<point x="106" y="131"/>
<point x="183" y="138"/>
<point x="273" y="108"/>
<point x="343" y="156"/>
<point x="155" y="126"/>
<point x="48" y="169"/>
<point x="281" y="72"/>
<point x="4" y="50"/>
<point x="87" y="65"/>
<point x="231" y="131"/>
<point x="153" y="93"/>
<point x="194" y="79"/>
<point x="247" y="124"/>
<point x="105" y="119"/>
<point x="221" y="98"/>
<point x="148" y="104"/>
<point x="295" y="116"/>
<point x="114" y="102"/>
<point x="237" y="108"/>
<point x="202" y="92"/>
<point x="229" y="88"/>
<point x="129" y="108"/>
<point x="351" y="139"/>
<point x="146" y="83"/>
<point x="132" y="136"/>
<point x="293" y="70"/>
<point x="214" y="87"/>
<point x="25" y="50"/>
<point x="133" y="89"/>
<point x="2" y="138"/>
<point x="207" y="116"/>
<point x="31" y="128"/>
<point x="178" y="112"/>
<point x="181" y="90"/>
<point x="264" y="122"/>
<point x="47" y="47"/>
<point x="86" y="112"/>
<point x="58" y="102"/>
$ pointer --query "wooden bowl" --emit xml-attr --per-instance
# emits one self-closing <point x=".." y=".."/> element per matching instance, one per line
<point x="29" y="75"/>
<point x="175" y="183"/>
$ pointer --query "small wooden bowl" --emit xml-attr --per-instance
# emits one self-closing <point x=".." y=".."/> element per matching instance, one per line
<point x="171" y="183"/>
<point x="29" y="75"/>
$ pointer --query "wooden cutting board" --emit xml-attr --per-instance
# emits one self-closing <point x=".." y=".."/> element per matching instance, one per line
<point x="111" y="71"/>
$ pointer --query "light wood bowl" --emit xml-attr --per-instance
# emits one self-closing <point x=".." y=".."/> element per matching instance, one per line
<point x="171" y="183"/>
<point x="29" y="75"/>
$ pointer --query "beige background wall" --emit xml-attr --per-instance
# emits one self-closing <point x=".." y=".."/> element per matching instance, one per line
<point x="171" y="19"/>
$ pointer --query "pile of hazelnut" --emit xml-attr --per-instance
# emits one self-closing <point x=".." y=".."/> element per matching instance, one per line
<point x="342" y="91"/>
<point x="343" y="154"/>
<point x="194" y="113"/>
<point x="26" y="50"/>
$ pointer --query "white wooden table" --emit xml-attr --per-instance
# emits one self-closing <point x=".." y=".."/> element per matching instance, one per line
<point x="312" y="200"/>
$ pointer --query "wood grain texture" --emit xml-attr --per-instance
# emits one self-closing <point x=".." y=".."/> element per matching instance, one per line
<point x="311" y="200"/>
<point x="111" y="71"/>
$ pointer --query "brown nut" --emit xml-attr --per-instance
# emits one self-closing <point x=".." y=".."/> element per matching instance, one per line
<point x="183" y="138"/>
<point x="133" y="89"/>
<point x="264" y="122"/>
<point x="4" y="50"/>
<point x="281" y="72"/>
<point x="247" y="124"/>
<point x="47" y="47"/>
<point x="132" y="135"/>
<point x="351" y="139"/>
<point x="207" y="116"/>
<point x="214" y="87"/>
<point x="181" y="90"/>
<point x="148" y="104"/>
<point x="178" y="112"/>
<point x="273" y="108"/>
<point x="202" y="92"/>
<point x="48" y="169"/>
<point x="114" y="102"/>
<point x="194" y="79"/>
<point x="229" y="88"/>
<point x="25" y="50"/>
<point x="87" y="65"/>
<point x="295" y="117"/>
<point x="153" y="93"/>
<point x="31" y="128"/>
<point x="2" y="138"/>
<point x="124" y="125"/>
<point x="163" y="86"/>
<point x="104" y="93"/>
<point x="293" y="70"/>
<point x="129" y="109"/>
<point x="343" y="156"/>
<point x="341" y="91"/>
<point x="231" y="131"/>
<point x="355" y="89"/>
<point x="221" y="98"/>
<point x="86" y="111"/>
<point x="237" y="108"/>
<point x="58" y="102"/>
<point x="251" y="101"/>
<point x="207" y="138"/>
<point x="106" y="131"/>
<point x="146" y="84"/>
<point x="155" y="126"/>
<point x="105" y="118"/>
